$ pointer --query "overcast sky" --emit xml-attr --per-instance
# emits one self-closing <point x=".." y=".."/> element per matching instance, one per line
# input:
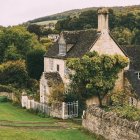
<point x="13" y="12"/>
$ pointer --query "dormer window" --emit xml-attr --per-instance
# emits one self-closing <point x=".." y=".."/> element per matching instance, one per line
<point x="62" y="49"/>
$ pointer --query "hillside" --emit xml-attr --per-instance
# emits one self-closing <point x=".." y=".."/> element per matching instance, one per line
<point x="63" y="15"/>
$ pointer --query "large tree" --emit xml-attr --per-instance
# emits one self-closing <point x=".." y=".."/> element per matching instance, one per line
<point x="14" y="73"/>
<point x="94" y="74"/>
<point x="15" y="42"/>
<point x="35" y="63"/>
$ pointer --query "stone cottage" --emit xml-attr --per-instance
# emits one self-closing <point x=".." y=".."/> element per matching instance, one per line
<point x="73" y="44"/>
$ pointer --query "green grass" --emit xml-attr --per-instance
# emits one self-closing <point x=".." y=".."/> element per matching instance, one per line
<point x="22" y="125"/>
<point x="46" y="22"/>
<point x="17" y="134"/>
<point x="14" y="113"/>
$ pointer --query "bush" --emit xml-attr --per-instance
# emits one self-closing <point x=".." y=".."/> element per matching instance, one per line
<point x="3" y="99"/>
<point x="4" y="88"/>
<point x="128" y="112"/>
<point x="13" y="72"/>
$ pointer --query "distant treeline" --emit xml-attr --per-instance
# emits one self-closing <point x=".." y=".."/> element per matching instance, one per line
<point x="125" y="26"/>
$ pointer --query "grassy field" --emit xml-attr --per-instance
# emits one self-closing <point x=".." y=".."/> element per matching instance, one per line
<point x="46" y="22"/>
<point x="19" y="124"/>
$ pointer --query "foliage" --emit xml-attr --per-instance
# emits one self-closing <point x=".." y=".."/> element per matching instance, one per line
<point x="119" y="98"/>
<point x="35" y="63"/>
<point x="128" y="112"/>
<point x="15" y="42"/>
<point x="5" y="88"/>
<point x="46" y="42"/>
<point x="3" y="99"/>
<point x="95" y="75"/>
<point x="124" y="25"/>
<point x="123" y="35"/>
<point x="36" y="29"/>
<point x="87" y="19"/>
<point x="56" y="93"/>
<point x="14" y="72"/>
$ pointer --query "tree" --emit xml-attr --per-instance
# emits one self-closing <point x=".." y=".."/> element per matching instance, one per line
<point x="14" y="73"/>
<point x="94" y="74"/>
<point x="35" y="63"/>
<point x="36" y="29"/>
<point x="123" y="35"/>
<point x="15" y="42"/>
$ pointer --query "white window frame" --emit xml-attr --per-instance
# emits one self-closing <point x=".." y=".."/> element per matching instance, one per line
<point x="51" y="64"/>
<point x="138" y="74"/>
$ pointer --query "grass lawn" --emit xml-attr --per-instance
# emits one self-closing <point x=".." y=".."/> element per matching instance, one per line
<point x="14" y="113"/>
<point x="19" y="124"/>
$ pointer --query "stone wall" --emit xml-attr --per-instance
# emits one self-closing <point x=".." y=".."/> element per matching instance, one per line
<point x="10" y="96"/>
<point x="109" y="125"/>
<point x="56" y="110"/>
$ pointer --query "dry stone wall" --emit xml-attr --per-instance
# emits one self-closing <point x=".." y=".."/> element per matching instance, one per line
<point x="109" y="125"/>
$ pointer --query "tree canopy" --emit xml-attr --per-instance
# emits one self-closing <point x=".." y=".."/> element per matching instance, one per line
<point x="15" y="42"/>
<point x="94" y="74"/>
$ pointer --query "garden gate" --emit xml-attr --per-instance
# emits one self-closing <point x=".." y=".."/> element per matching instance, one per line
<point x="70" y="109"/>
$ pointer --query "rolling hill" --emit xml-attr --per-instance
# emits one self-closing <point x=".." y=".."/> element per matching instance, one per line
<point x="74" y="12"/>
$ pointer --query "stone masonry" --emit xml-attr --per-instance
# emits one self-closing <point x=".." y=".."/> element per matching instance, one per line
<point x="109" y="125"/>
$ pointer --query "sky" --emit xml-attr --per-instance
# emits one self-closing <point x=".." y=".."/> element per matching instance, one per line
<point x="13" y="12"/>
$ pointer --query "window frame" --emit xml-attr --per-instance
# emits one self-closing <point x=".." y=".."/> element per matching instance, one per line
<point x="138" y="74"/>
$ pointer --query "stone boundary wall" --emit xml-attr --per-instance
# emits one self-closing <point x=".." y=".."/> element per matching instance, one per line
<point x="10" y="96"/>
<point x="109" y="125"/>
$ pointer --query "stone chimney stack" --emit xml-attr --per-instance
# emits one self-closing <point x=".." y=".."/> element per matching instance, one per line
<point x="103" y="19"/>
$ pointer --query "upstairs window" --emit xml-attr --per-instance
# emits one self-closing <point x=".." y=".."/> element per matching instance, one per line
<point x="62" y="49"/>
<point x="58" y="68"/>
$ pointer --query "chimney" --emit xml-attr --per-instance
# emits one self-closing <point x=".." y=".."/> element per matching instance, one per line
<point x="103" y="19"/>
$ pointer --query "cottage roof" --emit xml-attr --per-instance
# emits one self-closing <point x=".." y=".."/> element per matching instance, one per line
<point x="133" y="53"/>
<point x="132" y="77"/>
<point x="81" y="42"/>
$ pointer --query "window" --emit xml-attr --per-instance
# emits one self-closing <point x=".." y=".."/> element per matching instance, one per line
<point x="138" y="74"/>
<point x="58" y="68"/>
<point x="51" y="64"/>
<point x="62" y="49"/>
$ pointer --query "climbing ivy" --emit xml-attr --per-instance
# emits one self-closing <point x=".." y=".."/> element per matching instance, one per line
<point x="94" y="74"/>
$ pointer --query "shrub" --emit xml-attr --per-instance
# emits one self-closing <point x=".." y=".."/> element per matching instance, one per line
<point x="128" y="112"/>
<point x="4" y="88"/>
<point x="3" y="99"/>
<point x="13" y="72"/>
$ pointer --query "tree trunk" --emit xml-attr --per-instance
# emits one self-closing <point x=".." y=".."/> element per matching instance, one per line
<point x="100" y="100"/>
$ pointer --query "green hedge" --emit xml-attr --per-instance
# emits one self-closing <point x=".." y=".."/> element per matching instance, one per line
<point x="4" y="88"/>
<point x="3" y="99"/>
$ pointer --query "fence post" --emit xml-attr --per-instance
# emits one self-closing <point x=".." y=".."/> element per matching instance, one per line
<point x="77" y="108"/>
<point x="63" y="110"/>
